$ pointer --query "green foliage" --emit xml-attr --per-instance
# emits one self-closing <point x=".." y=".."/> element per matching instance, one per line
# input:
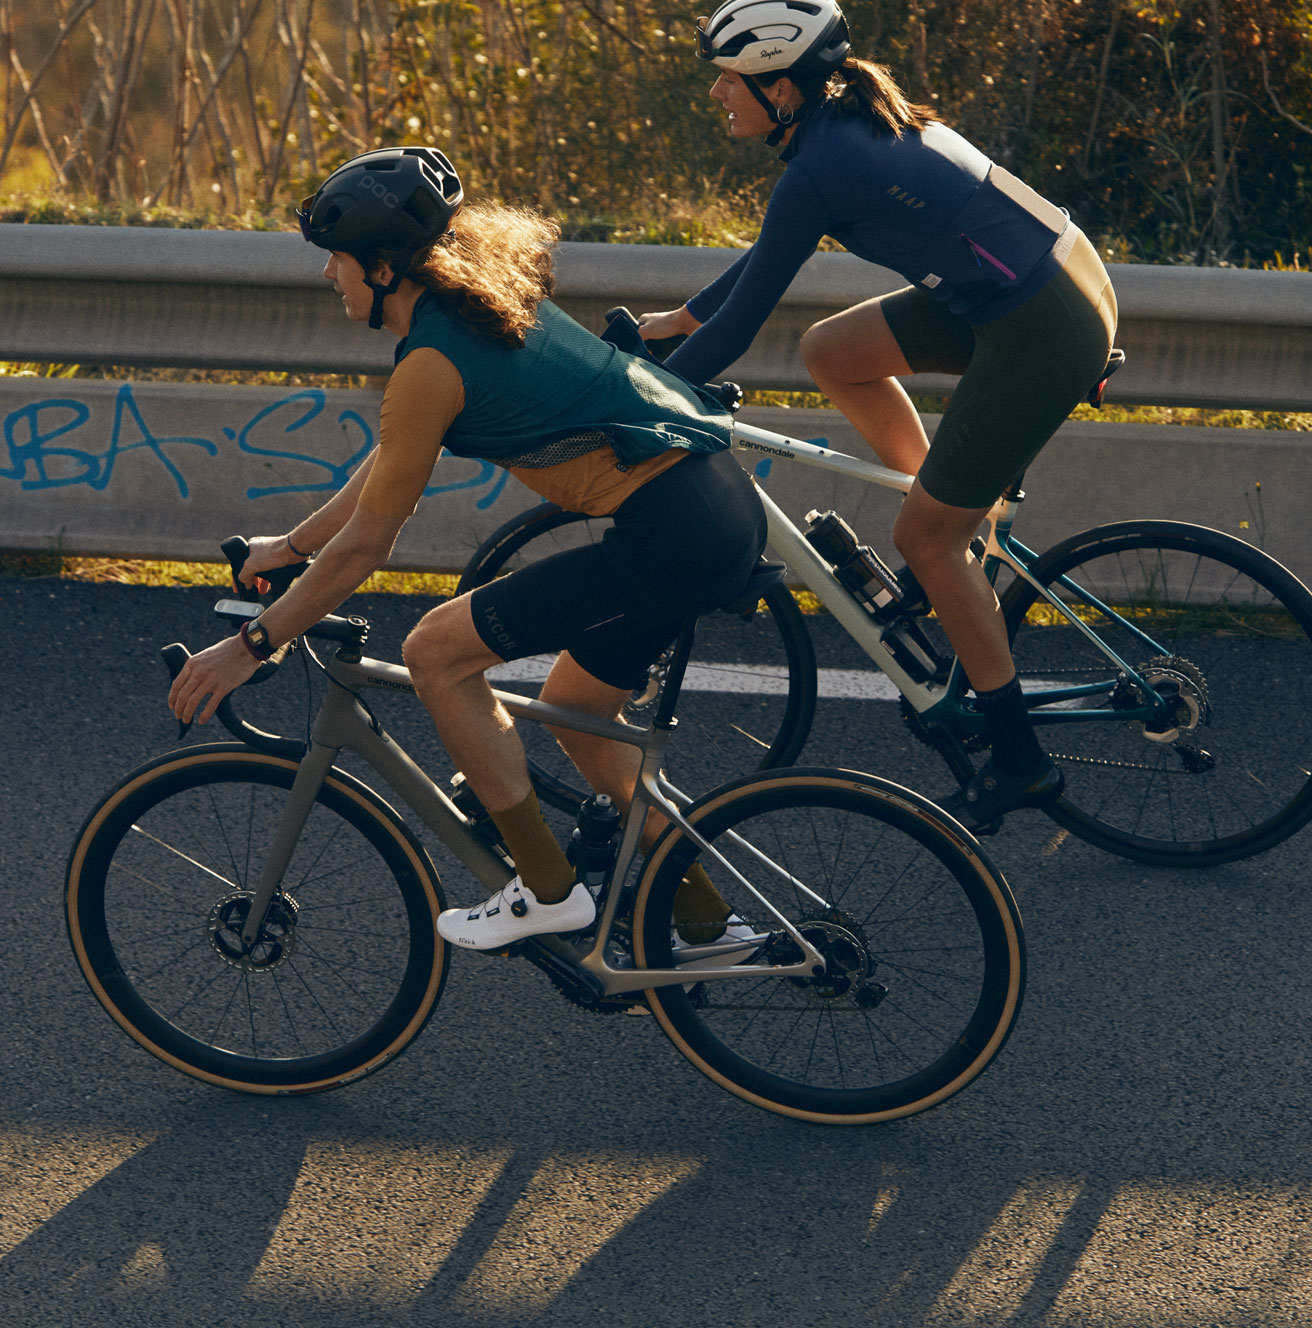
<point x="1176" y="131"/>
<point x="1173" y="130"/>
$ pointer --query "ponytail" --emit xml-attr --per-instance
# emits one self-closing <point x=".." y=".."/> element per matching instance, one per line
<point x="858" y="87"/>
<point x="861" y="87"/>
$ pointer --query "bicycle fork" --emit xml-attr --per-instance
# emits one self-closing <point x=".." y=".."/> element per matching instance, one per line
<point x="305" y="788"/>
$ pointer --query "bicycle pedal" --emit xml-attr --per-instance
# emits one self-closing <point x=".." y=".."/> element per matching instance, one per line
<point x="512" y="951"/>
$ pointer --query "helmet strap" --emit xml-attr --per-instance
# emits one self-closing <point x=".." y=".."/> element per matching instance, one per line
<point x="381" y="292"/>
<point x="774" y="112"/>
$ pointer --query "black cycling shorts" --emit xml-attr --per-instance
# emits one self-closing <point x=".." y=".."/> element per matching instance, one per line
<point x="686" y="542"/>
<point x="1022" y="374"/>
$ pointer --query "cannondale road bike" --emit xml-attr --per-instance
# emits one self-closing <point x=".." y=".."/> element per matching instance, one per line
<point x="261" y="919"/>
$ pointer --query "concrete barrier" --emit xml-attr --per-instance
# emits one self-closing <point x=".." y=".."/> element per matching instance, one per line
<point x="167" y="470"/>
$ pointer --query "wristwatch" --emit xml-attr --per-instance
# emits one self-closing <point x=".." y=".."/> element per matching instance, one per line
<point x="256" y="639"/>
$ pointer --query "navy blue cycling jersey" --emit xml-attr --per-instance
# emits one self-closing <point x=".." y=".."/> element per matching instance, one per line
<point x="927" y="204"/>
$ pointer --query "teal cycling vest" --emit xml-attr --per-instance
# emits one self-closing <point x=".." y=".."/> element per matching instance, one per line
<point x="563" y="382"/>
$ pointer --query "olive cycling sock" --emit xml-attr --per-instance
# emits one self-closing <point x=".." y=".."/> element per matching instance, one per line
<point x="699" y="911"/>
<point x="1015" y="748"/>
<point x="539" y="860"/>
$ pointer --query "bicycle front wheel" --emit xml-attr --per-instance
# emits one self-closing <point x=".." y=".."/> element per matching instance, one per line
<point x="348" y="966"/>
<point x="1219" y="630"/>
<point x="922" y="941"/>
<point x="748" y="698"/>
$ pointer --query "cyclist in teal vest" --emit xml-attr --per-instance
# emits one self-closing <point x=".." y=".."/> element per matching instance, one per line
<point x="1006" y="291"/>
<point x="487" y="366"/>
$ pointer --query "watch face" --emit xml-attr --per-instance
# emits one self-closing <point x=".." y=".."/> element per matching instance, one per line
<point x="257" y="636"/>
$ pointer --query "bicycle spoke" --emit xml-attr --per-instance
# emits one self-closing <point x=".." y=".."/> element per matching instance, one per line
<point x="914" y="961"/>
<point x="1203" y="755"/>
<point x="332" y="970"/>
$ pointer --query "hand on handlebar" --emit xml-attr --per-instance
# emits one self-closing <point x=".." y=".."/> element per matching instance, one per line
<point x="262" y="566"/>
<point x="672" y="323"/>
<point x="215" y="672"/>
<point x="267" y="552"/>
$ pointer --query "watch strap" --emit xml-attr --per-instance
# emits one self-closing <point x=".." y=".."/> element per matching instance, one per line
<point x="259" y="646"/>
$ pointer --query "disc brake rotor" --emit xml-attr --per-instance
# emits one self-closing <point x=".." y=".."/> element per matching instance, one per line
<point x="1182" y="687"/>
<point x="849" y="962"/>
<point x="272" y="947"/>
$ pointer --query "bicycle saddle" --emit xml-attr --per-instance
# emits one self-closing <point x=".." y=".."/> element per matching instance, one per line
<point x="765" y="576"/>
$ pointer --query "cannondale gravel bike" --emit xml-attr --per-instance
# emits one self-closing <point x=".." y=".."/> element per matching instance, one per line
<point x="259" y="918"/>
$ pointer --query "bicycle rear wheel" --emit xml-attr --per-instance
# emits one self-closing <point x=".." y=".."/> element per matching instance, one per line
<point x="349" y="966"/>
<point x="747" y="702"/>
<point x="1221" y="630"/>
<point x="924" y="950"/>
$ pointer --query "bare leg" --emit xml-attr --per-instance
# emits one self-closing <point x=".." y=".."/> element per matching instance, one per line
<point x="612" y="768"/>
<point x="447" y="660"/>
<point x="935" y="541"/>
<point x="855" y="361"/>
<point x="609" y="767"/>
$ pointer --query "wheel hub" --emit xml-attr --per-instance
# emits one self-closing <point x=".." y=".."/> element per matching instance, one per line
<point x="1184" y="691"/>
<point x="275" y="942"/>
<point x="849" y="964"/>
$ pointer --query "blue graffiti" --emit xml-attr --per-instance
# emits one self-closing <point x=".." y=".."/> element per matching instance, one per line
<point x="30" y="431"/>
<point x="41" y="455"/>
<point x="337" y="473"/>
<point x="312" y="403"/>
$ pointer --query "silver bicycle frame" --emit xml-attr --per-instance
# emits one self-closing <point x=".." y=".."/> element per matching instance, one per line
<point x="811" y="569"/>
<point x="344" y="724"/>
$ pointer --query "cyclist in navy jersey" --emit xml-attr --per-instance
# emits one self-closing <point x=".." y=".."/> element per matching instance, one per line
<point x="1007" y="292"/>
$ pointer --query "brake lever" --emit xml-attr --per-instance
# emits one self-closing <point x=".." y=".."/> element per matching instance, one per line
<point x="237" y="549"/>
<point x="174" y="657"/>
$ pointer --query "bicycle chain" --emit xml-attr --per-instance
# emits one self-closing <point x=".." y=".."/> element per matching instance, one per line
<point x="1116" y="765"/>
<point x="920" y="730"/>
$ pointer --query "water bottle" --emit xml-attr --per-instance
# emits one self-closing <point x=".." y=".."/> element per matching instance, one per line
<point x="592" y="846"/>
<point x="857" y="566"/>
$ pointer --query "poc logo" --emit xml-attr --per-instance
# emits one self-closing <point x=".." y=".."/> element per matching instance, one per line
<point x="373" y="185"/>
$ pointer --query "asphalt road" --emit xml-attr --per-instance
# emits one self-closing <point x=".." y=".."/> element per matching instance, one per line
<point x="1138" y="1156"/>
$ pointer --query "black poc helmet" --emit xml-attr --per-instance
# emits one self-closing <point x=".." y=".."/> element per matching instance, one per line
<point x="392" y="202"/>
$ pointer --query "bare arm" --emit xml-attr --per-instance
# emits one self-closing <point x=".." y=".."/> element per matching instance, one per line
<point x="357" y="528"/>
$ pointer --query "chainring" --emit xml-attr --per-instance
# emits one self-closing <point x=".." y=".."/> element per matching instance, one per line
<point x="971" y="744"/>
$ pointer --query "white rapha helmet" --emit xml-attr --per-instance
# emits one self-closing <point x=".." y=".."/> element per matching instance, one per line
<point x="755" y="37"/>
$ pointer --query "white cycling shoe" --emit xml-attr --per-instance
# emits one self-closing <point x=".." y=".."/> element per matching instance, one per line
<point x="512" y="914"/>
<point x="738" y="944"/>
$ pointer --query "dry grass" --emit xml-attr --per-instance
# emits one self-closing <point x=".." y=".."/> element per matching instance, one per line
<point x="146" y="572"/>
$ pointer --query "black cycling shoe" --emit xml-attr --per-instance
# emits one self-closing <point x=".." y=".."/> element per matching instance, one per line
<point x="989" y="794"/>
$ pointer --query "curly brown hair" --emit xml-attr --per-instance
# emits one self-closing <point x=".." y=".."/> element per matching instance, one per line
<point x="492" y="269"/>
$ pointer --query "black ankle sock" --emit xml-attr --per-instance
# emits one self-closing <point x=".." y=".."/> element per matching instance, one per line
<point x="1015" y="748"/>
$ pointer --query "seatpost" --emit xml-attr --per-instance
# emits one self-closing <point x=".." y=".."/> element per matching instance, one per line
<point x="673" y="680"/>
